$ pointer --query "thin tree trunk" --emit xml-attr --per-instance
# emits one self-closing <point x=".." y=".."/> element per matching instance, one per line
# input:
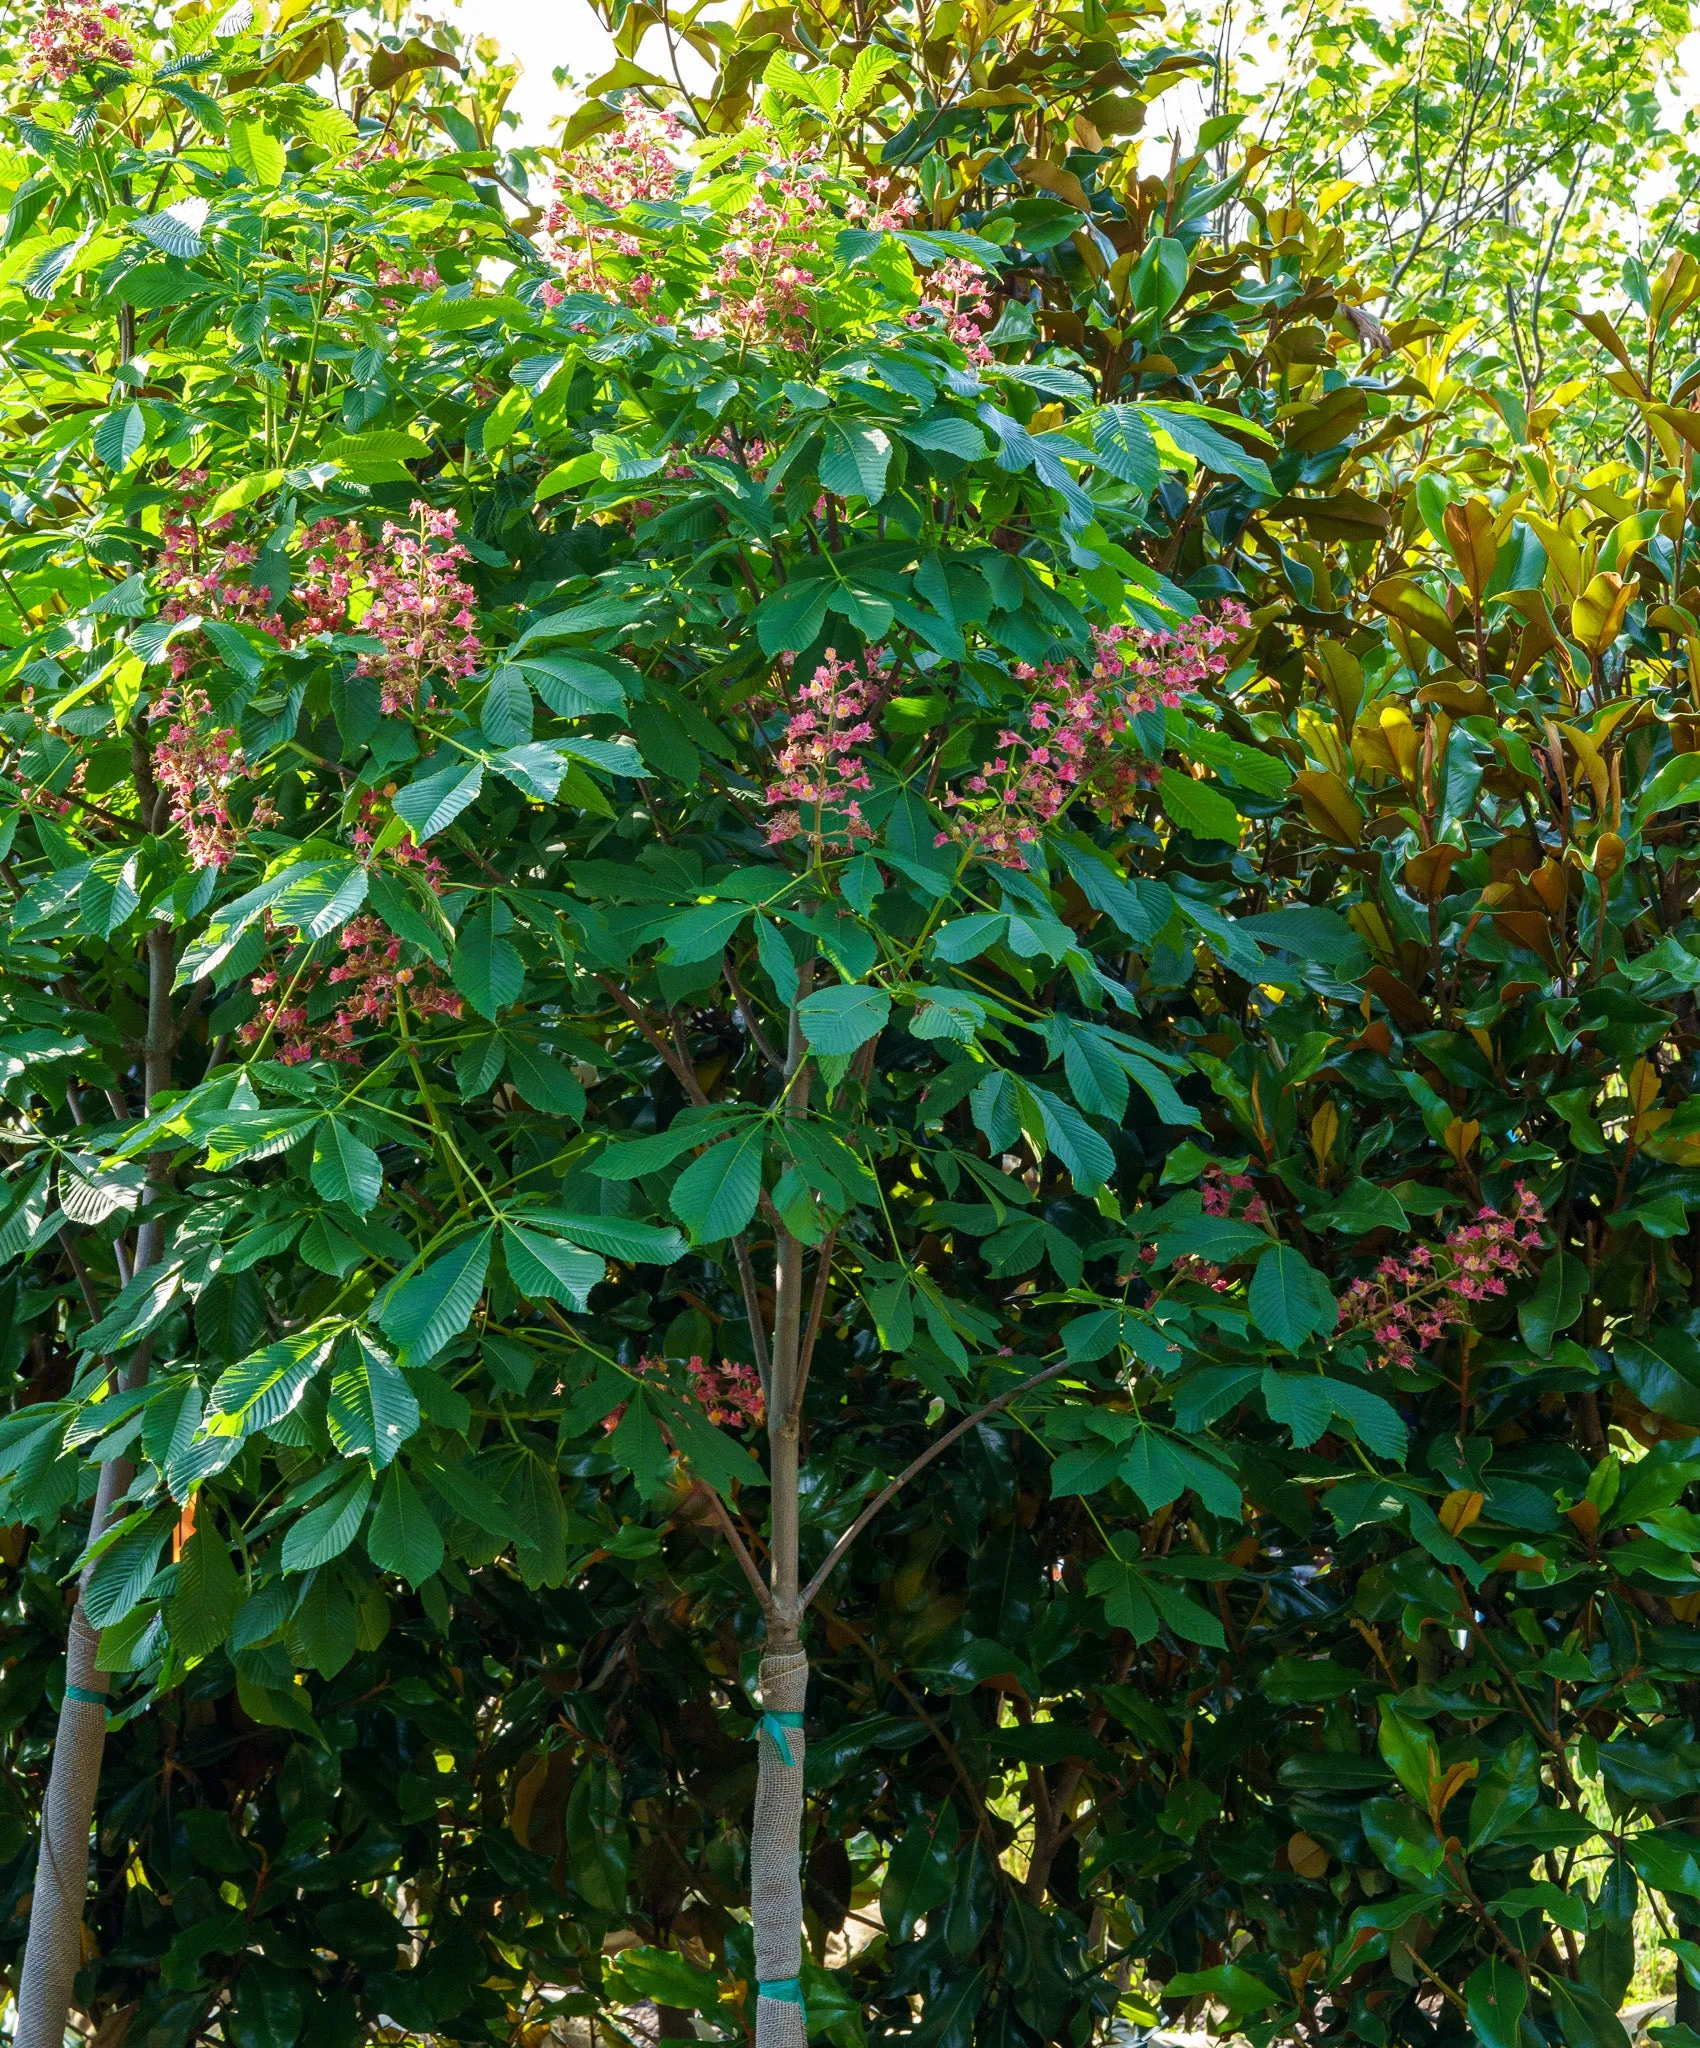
<point x="53" y="1950"/>
<point x="776" y="1882"/>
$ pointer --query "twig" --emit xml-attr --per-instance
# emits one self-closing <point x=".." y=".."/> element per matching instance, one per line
<point x="752" y="1571"/>
<point x="909" y="1471"/>
<point x="747" y="1012"/>
<point x="817" y="1309"/>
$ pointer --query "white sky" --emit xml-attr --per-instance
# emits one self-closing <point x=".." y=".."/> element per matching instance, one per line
<point x="542" y="35"/>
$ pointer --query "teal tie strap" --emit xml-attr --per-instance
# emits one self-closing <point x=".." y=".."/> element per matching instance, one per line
<point x="784" y="1990"/>
<point x="775" y="1725"/>
<point x="82" y="1694"/>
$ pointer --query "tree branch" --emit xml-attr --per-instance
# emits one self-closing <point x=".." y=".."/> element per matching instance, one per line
<point x="909" y="1471"/>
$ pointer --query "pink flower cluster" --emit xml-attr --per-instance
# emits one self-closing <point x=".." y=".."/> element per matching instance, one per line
<point x="205" y="582"/>
<point x="1220" y="1191"/>
<point x="953" y="297"/>
<point x="371" y="969"/>
<point x="1068" y="743"/>
<point x="820" y="771"/>
<point x="769" y="270"/>
<point x="70" y="38"/>
<point x="1413" y="1301"/>
<point x="421" y="609"/>
<point x="729" y="1394"/>
<point x="196" y="768"/>
<point x="634" y="163"/>
<point x="369" y="824"/>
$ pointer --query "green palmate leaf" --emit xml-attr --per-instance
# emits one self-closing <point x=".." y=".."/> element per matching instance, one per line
<point x="257" y="152"/>
<point x="1198" y="807"/>
<point x="119" y="437"/>
<point x="264" y="1388"/>
<point x="206" y="1595"/>
<point x="542" y="1081"/>
<point x="486" y="967"/>
<point x="433" y="803"/>
<point x="1290" y="1301"/>
<point x="839" y="1020"/>
<point x="320" y="898"/>
<point x="547" y="1267"/>
<point x="716" y="1195"/>
<point x="125" y="1569"/>
<point x="641" y="1243"/>
<point x="327" y="1530"/>
<point x="401" y="1537"/>
<point x="423" y="1312"/>
<point x="344" y="1169"/>
<point x="855" y="460"/>
<point x="372" y="1408"/>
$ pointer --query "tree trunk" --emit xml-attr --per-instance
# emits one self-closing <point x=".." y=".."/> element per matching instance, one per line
<point x="776" y="1876"/>
<point x="776" y="1834"/>
<point x="53" y="1949"/>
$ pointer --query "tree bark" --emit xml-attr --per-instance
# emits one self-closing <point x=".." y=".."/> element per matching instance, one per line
<point x="776" y="1834"/>
<point x="53" y="1949"/>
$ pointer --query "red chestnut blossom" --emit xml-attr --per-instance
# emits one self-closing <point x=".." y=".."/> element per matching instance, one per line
<point x="208" y="582"/>
<point x="820" y="769"/>
<point x="70" y="38"/>
<point x="1219" y="1191"/>
<point x="421" y="609"/>
<point x="953" y="297"/>
<point x="369" y="824"/>
<point x="1067" y="744"/>
<point x="633" y="163"/>
<point x="1412" y="1302"/>
<point x="729" y="1394"/>
<point x="373" y="975"/>
<point x="196" y="768"/>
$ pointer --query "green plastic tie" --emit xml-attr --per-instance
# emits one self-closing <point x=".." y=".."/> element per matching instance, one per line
<point x="775" y="1726"/>
<point x="783" y="1990"/>
<point x="82" y="1694"/>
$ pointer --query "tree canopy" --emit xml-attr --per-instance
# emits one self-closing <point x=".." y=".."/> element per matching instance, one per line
<point x="854" y="873"/>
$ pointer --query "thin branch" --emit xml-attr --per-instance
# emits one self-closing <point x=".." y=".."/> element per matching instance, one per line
<point x="817" y="1309"/>
<point x="752" y="1571"/>
<point x="752" y="1309"/>
<point x="909" y="1471"/>
<point x="747" y="1015"/>
<point x="680" y="1067"/>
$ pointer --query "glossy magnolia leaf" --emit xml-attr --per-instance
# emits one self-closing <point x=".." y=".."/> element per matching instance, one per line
<point x="402" y="1537"/>
<point x="327" y="1530"/>
<point x="424" y="1311"/>
<point x="1496" y="1994"/>
<point x="344" y="1168"/>
<point x="372" y="1409"/>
